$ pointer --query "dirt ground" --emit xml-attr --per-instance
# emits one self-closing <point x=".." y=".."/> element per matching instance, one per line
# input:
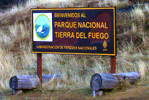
<point x="135" y="92"/>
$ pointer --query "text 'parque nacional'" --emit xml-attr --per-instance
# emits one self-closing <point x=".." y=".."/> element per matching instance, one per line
<point x="88" y="31"/>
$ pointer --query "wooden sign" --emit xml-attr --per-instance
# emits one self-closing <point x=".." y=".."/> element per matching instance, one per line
<point x="88" y="31"/>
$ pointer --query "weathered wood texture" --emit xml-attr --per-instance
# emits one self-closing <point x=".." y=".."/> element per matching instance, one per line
<point x="113" y="64"/>
<point x="132" y="76"/>
<point x="103" y="81"/>
<point x="29" y="81"/>
<point x="39" y="67"/>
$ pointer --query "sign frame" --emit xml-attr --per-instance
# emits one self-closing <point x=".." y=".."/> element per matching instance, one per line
<point x="114" y="29"/>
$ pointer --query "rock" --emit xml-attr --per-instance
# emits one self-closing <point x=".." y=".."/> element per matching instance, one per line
<point x="0" y="96"/>
<point x="18" y="92"/>
<point x="146" y="28"/>
<point x="138" y="1"/>
<point x="19" y="1"/>
<point x="126" y="9"/>
<point x="93" y="3"/>
<point x="8" y="3"/>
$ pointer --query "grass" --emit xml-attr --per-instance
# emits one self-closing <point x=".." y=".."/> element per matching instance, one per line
<point x="137" y="92"/>
<point x="76" y="70"/>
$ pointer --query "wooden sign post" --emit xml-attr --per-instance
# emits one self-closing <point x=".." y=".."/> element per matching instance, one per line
<point x="39" y="66"/>
<point x="113" y="64"/>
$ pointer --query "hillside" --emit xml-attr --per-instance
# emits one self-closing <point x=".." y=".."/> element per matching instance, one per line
<point x="132" y="29"/>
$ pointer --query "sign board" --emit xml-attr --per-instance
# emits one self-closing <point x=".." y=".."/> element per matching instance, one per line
<point x="88" y="31"/>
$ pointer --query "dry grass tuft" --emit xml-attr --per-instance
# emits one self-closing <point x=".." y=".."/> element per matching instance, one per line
<point x="142" y="69"/>
<point x="123" y="85"/>
<point x="138" y="12"/>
